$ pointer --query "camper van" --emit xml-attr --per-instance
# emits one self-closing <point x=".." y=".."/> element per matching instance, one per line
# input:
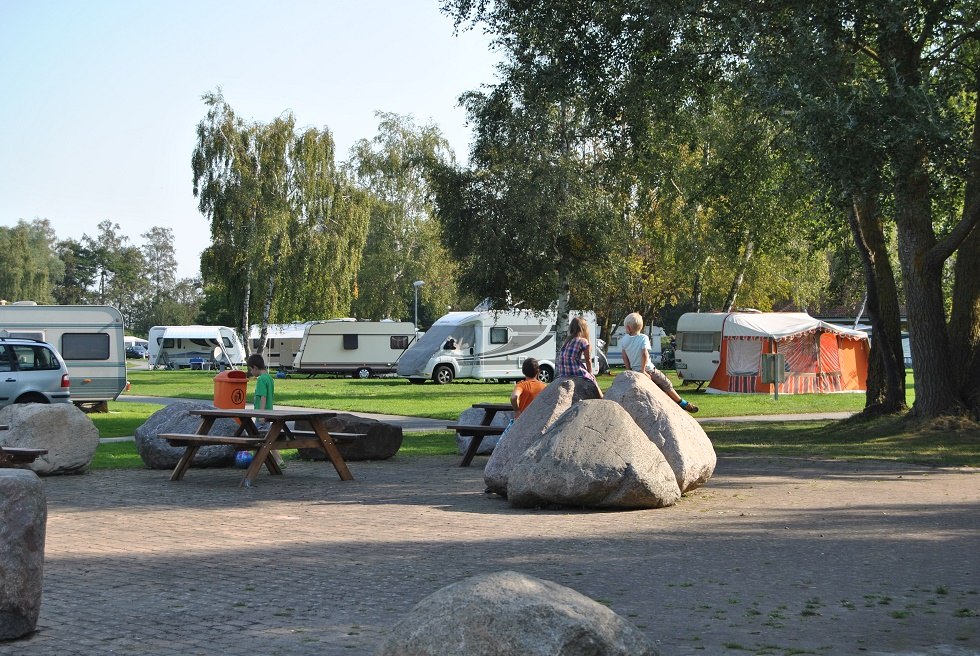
<point x="487" y="345"/>
<point x="349" y="347"/>
<point x="89" y="338"/>
<point x="282" y="343"/>
<point x="178" y="347"/>
<point x="614" y="354"/>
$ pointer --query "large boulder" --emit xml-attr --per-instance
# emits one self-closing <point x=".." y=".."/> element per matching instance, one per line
<point x="382" y="441"/>
<point x="512" y="614"/>
<point x="474" y="416"/>
<point x="547" y="406"/>
<point x="594" y="456"/>
<point x="174" y="418"/>
<point x="65" y="431"/>
<point x="678" y="436"/>
<point x="23" y="515"/>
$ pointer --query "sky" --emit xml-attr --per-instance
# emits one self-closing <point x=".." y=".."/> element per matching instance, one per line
<point x="100" y="99"/>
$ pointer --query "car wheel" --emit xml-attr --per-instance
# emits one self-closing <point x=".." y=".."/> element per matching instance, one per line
<point x="546" y="375"/>
<point x="443" y="375"/>
<point x="363" y="373"/>
<point x="32" y="398"/>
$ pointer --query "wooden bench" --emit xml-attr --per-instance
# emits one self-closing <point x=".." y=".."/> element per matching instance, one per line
<point x="476" y="433"/>
<point x="184" y="439"/>
<point x="13" y="455"/>
<point x="338" y="438"/>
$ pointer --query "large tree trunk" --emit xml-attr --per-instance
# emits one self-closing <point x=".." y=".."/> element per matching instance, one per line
<point x="964" y="323"/>
<point x="886" y="368"/>
<point x="564" y="296"/>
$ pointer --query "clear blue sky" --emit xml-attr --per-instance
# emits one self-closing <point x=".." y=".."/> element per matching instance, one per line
<point x="100" y="98"/>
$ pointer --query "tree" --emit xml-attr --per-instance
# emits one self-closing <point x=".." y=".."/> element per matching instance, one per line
<point x="31" y="265"/>
<point x="79" y="273"/>
<point x="403" y="235"/>
<point x="287" y="228"/>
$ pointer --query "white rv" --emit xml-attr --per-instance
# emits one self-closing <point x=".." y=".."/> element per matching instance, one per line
<point x="614" y="354"/>
<point x="282" y="343"/>
<point x="349" y="347"/>
<point x="698" y="351"/>
<point x="176" y="347"/>
<point x="89" y="338"/>
<point x="487" y="345"/>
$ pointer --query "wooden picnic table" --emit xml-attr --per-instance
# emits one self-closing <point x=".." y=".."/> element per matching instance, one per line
<point x="478" y="431"/>
<point x="277" y="436"/>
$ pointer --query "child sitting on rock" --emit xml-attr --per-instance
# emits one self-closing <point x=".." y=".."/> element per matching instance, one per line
<point x="636" y="356"/>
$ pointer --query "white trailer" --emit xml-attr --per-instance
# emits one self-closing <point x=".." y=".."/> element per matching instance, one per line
<point x="614" y="353"/>
<point x="349" y="347"/>
<point x="488" y="345"/>
<point x="177" y="347"/>
<point x="89" y="338"/>
<point x="282" y="343"/>
<point x="698" y="351"/>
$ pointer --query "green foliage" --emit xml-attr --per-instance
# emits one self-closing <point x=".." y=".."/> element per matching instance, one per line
<point x="31" y="266"/>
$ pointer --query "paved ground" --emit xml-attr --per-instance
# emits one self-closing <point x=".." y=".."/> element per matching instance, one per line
<point x="774" y="556"/>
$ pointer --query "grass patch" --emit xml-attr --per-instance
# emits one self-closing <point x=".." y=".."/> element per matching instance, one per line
<point x="123" y="418"/>
<point x="890" y="438"/>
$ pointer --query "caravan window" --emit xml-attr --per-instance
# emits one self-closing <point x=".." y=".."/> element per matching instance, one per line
<point x="399" y="342"/>
<point x="350" y="342"/>
<point x="699" y="342"/>
<point x="226" y="341"/>
<point x="85" y="346"/>
<point x="167" y="343"/>
<point x="498" y="335"/>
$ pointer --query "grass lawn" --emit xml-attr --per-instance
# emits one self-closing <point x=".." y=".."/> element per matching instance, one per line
<point x="886" y="439"/>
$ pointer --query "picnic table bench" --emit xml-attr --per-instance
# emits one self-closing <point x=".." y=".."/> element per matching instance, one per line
<point x="478" y="431"/>
<point x="14" y="455"/>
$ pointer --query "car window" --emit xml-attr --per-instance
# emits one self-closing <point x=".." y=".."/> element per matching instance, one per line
<point x="4" y="359"/>
<point x="34" y="358"/>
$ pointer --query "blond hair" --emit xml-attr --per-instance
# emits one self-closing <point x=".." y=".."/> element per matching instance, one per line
<point x="634" y="320"/>
<point x="578" y="328"/>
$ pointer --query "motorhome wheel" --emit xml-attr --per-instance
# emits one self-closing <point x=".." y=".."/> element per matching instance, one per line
<point x="363" y="372"/>
<point x="443" y="374"/>
<point x="545" y="374"/>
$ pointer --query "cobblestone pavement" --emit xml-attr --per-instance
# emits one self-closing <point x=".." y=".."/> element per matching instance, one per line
<point x="774" y="556"/>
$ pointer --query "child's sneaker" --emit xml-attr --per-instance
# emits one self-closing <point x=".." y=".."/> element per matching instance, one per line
<point x="687" y="405"/>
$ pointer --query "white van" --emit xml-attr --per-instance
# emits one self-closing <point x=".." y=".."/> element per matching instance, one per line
<point x="614" y="354"/>
<point x="177" y="347"/>
<point x="349" y="347"/>
<point x="487" y="345"/>
<point x="698" y="351"/>
<point x="88" y="337"/>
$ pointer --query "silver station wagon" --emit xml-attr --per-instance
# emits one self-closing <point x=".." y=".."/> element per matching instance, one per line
<point x="31" y="371"/>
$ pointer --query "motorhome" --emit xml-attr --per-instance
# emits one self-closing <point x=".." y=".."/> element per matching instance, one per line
<point x="698" y="351"/>
<point x="487" y="344"/>
<point x="178" y="347"/>
<point x="282" y="343"/>
<point x="614" y="353"/>
<point x="89" y="338"/>
<point x="348" y="347"/>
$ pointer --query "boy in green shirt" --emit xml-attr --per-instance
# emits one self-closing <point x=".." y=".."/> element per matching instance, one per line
<point x="265" y="390"/>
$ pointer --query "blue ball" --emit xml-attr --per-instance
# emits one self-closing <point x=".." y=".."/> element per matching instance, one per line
<point x="243" y="459"/>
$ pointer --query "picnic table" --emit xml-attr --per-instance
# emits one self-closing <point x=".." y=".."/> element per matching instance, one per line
<point x="481" y="430"/>
<point x="277" y="436"/>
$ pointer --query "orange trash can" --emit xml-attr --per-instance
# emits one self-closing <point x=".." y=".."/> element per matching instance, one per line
<point x="229" y="389"/>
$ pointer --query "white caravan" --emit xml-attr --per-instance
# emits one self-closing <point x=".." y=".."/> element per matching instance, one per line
<point x="175" y="347"/>
<point x="488" y="345"/>
<point x="698" y="351"/>
<point x="282" y="343"/>
<point x="614" y="354"/>
<point x="349" y="347"/>
<point x="89" y="338"/>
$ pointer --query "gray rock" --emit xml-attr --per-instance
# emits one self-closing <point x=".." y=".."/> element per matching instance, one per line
<point x="675" y="432"/>
<point x="382" y="442"/>
<point x="594" y="456"/>
<point x="472" y="416"/>
<point x="65" y="431"/>
<point x="158" y="454"/>
<point x="23" y="517"/>
<point x="553" y="400"/>
<point x="512" y="614"/>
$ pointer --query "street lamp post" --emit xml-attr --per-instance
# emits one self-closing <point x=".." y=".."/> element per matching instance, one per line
<point x="416" y="285"/>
